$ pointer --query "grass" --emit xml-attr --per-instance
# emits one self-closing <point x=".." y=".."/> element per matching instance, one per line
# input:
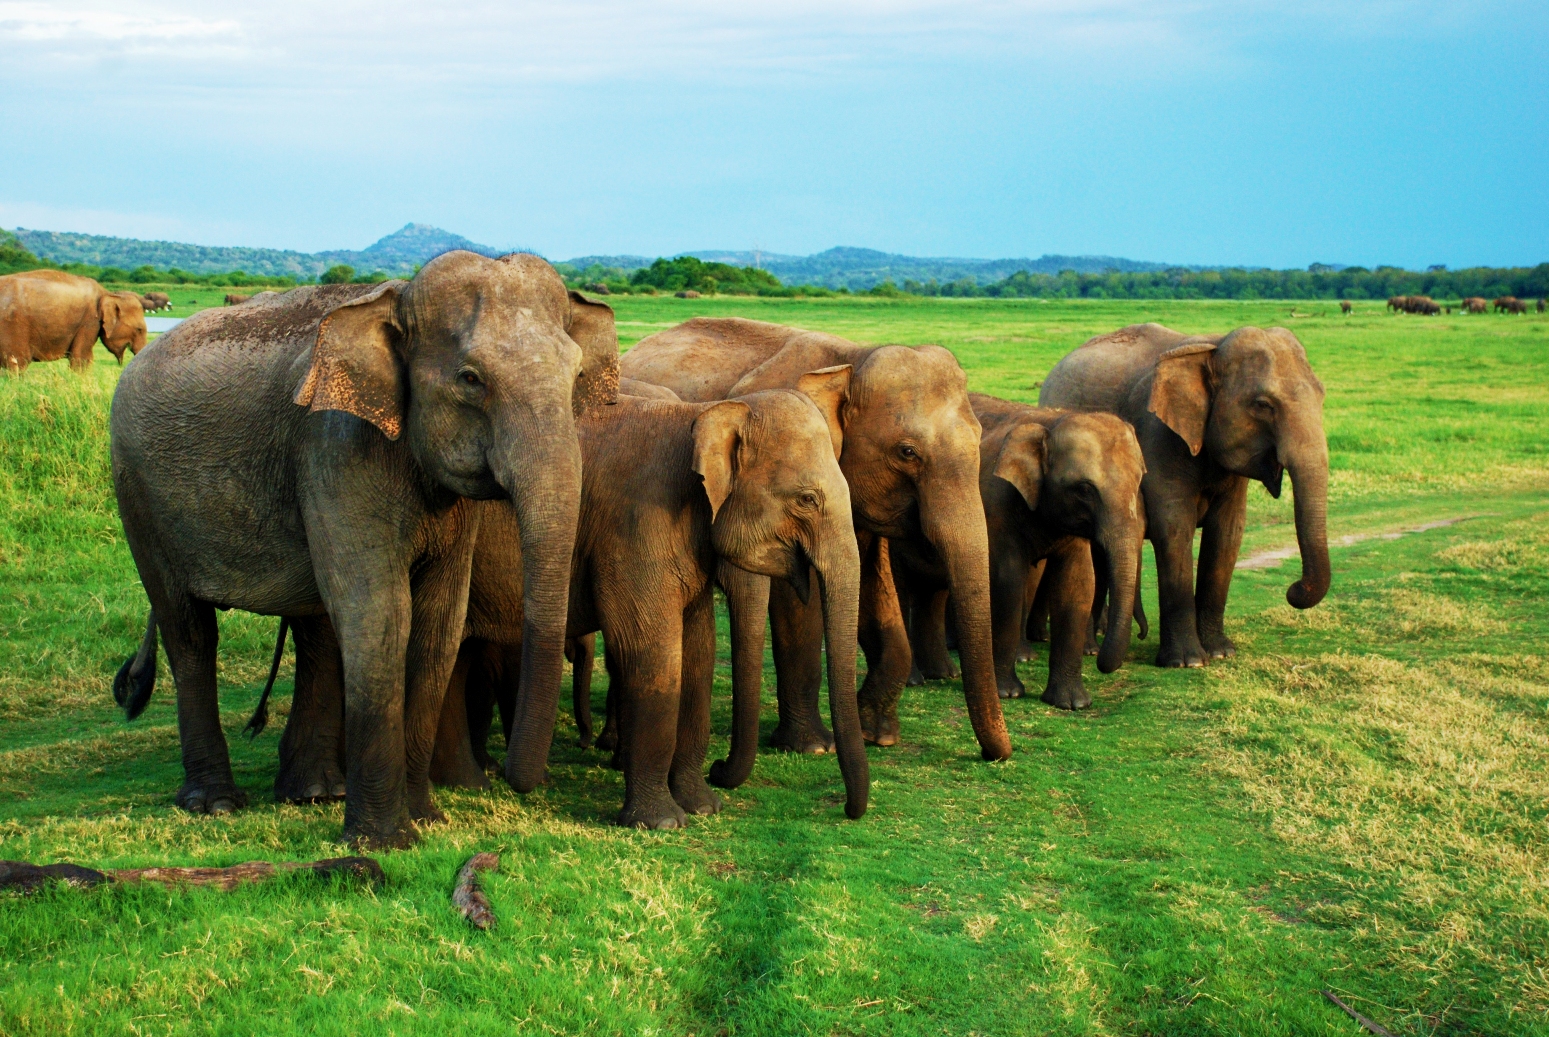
<point x="1357" y="802"/>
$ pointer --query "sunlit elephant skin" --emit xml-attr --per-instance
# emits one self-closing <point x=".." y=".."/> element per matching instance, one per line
<point x="1052" y="482"/>
<point x="1211" y="413"/>
<point x="320" y="453"/>
<point x="671" y="492"/>
<point x="910" y="450"/>
<point x="51" y="315"/>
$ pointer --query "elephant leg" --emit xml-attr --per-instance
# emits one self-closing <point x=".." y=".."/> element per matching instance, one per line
<point x="1174" y="544"/>
<point x="503" y="672"/>
<point x="189" y="634"/>
<point x="1099" y="609"/>
<point x="687" y="778"/>
<point x="439" y="606"/>
<point x="582" y="652"/>
<point x="1032" y="630"/>
<point x="907" y="606"/>
<point x="1071" y="581"/>
<point x="453" y="763"/>
<point x="1008" y="617"/>
<point x="885" y="641"/>
<point x="645" y="670"/>
<point x="481" y="692"/>
<point x="312" y="763"/>
<point x="608" y="739"/>
<point x="747" y="601"/>
<point x="797" y="632"/>
<point x="1220" y="541"/>
<point x="928" y="636"/>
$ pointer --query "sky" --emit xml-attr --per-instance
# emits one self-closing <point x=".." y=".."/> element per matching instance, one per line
<point x="1210" y="132"/>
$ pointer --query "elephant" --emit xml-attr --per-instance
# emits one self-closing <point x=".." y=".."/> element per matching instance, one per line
<point x="910" y="451"/>
<point x="1053" y="483"/>
<point x="1345" y="307"/>
<point x="153" y="301"/>
<point x="49" y="314"/>
<point x="322" y="453"/>
<point x="1542" y="305"/>
<point x="671" y="492"/>
<point x="1398" y="303"/>
<point x="233" y="299"/>
<point x="1510" y="304"/>
<point x="1474" y="304"/>
<point x="1211" y="412"/>
<point x="1423" y="304"/>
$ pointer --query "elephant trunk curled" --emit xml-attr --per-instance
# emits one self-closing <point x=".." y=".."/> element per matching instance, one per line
<point x="838" y="568"/>
<point x="544" y="482"/>
<point x="1309" y="482"/>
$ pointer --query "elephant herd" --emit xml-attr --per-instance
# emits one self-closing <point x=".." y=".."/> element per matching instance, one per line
<point x="1425" y="305"/>
<point x="446" y="486"/>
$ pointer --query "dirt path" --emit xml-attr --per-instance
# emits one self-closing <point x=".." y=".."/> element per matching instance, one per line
<point x="1272" y="558"/>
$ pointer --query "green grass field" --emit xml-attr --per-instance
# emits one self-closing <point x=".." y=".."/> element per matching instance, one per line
<point x="1358" y="802"/>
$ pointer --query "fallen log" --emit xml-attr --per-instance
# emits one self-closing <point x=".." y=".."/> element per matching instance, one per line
<point x="19" y="875"/>
<point x="467" y="895"/>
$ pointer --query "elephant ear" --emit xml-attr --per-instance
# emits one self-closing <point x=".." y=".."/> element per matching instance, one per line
<point x="1181" y="390"/>
<point x="1024" y="457"/>
<point x="108" y="311"/>
<point x="829" y="388"/>
<point x="717" y="436"/>
<point x="356" y="366"/>
<point x="592" y="328"/>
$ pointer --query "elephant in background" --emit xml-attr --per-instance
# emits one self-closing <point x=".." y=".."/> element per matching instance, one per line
<point x="153" y="301"/>
<point x="672" y="492"/>
<point x="353" y="428"/>
<point x="234" y="299"/>
<point x="1345" y="306"/>
<point x="1211" y="413"/>
<point x="1054" y="484"/>
<point x="910" y="452"/>
<point x="1474" y="304"/>
<point x="49" y="314"/>
<point x="1510" y="304"/>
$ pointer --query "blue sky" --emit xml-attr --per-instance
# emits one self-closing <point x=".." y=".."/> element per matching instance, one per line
<point x="1207" y="132"/>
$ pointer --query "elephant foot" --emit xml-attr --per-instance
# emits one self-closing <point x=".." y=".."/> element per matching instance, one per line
<point x="584" y="740"/>
<point x="655" y="811"/>
<point x="879" y="727"/>
<point x="1218" y="647"/>
<point x="1090" y="648"/>
<point x="1026" y="653"/>
<point x="608" y="740"/>
<point x="948" y="672"/>
<point x="315" y="779"/>
<point x="1011" y="688"/>
<point x="798" y="737"/>
<point x="694" y="796"/>
<point x="1171" y="656"/>
<point x="1067" y="695"/>
<point x="425" y="812"/>
<point x="916" y="678"/>
<point x="366" y="836"/>
<point x="213" y="797"/>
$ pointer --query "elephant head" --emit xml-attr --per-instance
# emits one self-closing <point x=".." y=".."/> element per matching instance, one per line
<point x="1253" y="400"/>
<point x="780" y="507"/>
<point x="1081" y="475"/>
<point x="480" y="365"/>
<point x="122" y="318"/>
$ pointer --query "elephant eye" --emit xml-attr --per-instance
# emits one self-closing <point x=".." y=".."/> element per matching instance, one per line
<point x="1263" y="406"/>
<point x="908" y="453"/>
<point x="470" y="378"/>
<point x="808" y="500"/>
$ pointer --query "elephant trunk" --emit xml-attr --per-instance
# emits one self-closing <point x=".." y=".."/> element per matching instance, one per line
<point x="953" y="521"/>
<point x="838" y="565"/>
<point x="747" y="602"/>
<point x="1309" y="482"/>
<point x="545" y="489"/>
<point x="1120" y="539"/>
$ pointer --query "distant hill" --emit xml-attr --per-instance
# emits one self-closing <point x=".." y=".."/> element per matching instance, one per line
<point x="398" y="253"/>
<point x="861" y="268"/>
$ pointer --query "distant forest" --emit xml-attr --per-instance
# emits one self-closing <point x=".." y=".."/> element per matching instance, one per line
<point x="688" y="273"/>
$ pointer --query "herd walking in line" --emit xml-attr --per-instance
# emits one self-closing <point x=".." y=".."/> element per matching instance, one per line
<point x="446" y="487"/>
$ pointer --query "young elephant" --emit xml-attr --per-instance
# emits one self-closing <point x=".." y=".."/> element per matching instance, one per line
<point x="316" y="453"/>
<point x="669" y="492"/>
<point x="1211" y="412"/>
<point x="49" y="314"/>
<point x="1052" y="482"/>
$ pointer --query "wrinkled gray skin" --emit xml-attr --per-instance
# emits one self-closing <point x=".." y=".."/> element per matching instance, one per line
<point x="315" y="454"/>
<point x="1211" y="413"/>
<point x="1053" y="482"/>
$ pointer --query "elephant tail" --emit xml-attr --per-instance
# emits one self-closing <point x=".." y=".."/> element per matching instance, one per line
<point x="136" y="679"/>
<point x="260" y="717"/>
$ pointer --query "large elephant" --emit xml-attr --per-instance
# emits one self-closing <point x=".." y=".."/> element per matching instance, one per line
<point x="1211" y="413"/>
<point x="1051" y="481"/>
<point x="315" y="453"/>
<point x="49" y="314"/>
<point x="910" y="451"/>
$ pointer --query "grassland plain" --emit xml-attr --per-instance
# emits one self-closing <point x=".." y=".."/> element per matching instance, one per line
<point x="1359" y="801"/>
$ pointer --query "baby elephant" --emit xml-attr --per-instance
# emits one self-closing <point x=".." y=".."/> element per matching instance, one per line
<point x="1054" y="483"/>
<point x="669" y="491"/>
